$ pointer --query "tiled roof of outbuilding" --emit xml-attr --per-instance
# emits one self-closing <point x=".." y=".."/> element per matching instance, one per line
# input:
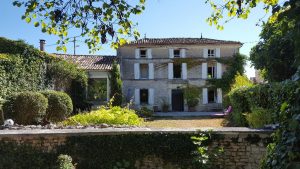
<point x="179" y="41"/>
<point x="90" y="62"/>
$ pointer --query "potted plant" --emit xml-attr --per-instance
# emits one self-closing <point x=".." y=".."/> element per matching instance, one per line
<point x="191" y="94"/>
<point x="164" y="105"/>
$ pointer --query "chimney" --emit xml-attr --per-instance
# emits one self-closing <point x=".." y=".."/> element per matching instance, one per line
<point x="42" y="44"/>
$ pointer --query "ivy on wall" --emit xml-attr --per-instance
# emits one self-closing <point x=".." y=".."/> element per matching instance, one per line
<point x="235" y="65"/>
<point x="24" y="68"/>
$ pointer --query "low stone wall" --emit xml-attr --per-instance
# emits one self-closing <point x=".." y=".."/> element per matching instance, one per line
<point x="243" y="148"/>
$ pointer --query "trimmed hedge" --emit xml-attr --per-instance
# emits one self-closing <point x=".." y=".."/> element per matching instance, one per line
<point x="59" y="106"/>
<point x="25" y="68"/>
<point x="26" y="107"/>
<point x="262" y="97"/>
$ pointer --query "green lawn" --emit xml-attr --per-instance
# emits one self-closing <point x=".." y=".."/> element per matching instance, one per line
<point x="191" y="122"/>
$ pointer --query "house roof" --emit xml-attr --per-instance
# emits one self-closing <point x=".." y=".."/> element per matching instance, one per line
<point x="180" y="41"/>
<point x="90" y="62"/>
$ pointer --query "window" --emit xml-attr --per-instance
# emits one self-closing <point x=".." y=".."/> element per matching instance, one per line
<point x="144" y="93"/>
<point x="212" y="96"/>
<point x="211" y="53"/>
<point x="177" y="71"/>
<point x="211" y="72"/>
<point x="97" y="89"/>
<point x="144" y="70"/>
<point x="143" y="53"/>
<point x="177" y="53"/>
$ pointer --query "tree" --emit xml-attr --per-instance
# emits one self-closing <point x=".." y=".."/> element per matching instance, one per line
<point x="115" y="85"/>
<point x="239" y="9"/>
<point x="98" y="20"/>
<point x="277" y="53"/>
<point x="240" y="81"/>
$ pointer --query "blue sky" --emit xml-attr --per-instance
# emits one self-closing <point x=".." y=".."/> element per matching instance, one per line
<point x="162" y="18"/>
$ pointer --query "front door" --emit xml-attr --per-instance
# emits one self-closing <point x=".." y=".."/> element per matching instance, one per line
<point x="177" y="100"/>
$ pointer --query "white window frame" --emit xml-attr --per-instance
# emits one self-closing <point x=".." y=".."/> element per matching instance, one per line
<point x="214" y="73"/>
<point x="144" y="103"/>
<point x="215" y="95"/>
<point x="210" y="54"/>
<point x="148" y="69"/>
<point x="181" y="75"/>
<point x="177" y="56"/>
<point x="143" y="56"/>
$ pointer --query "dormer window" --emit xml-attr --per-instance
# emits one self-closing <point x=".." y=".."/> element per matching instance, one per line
<point x="143" y="53"/>
<point x="176" y="53"/>
<point x="211" y="53"/>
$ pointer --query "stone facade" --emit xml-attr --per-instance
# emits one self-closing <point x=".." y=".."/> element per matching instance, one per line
<point x="161" y="82"/>
<point x="243" y="148"/>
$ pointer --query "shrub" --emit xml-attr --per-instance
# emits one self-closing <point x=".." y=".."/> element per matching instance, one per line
<point x="116" y="85"/>
<point x="24" y="68"/>
<point x="238" y="100"/>
<point x="26" y="107"/>
<point x="1" y="115"/>
<point x="59" y="105"/>
<point x="114" y="115"/>
<point x="259" y="117"/>
<point x="145" y="112"/>
<point x="1" y="111"/>
<point x="72" y="80"/>
<point x="266" y="96"/>
<point x="65" y="162"/>
<point x="192" y="94"/>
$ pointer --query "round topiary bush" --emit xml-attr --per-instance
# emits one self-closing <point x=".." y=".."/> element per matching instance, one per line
<point x="59" y="105"/>
<point x="26" y="107"/>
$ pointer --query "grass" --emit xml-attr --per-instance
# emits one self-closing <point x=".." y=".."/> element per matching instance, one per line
<point x="194" y="122"/>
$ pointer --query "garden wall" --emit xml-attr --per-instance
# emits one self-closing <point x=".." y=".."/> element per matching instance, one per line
<point x="139" y="148"/>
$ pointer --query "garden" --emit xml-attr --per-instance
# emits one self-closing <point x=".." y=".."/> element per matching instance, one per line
<point x="32" y="85"/>
<point x="41" y="91"/>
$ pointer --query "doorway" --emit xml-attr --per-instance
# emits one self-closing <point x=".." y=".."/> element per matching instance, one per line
<point x="177" y="100"/>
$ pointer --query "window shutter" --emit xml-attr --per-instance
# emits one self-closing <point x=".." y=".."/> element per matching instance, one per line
<point x="149" y="53"/>
<point x="170" y="70"/>
<point x="183" y="53"/>
<point x="205" y="52"/>
<point x="171" y="53"/>
<point x="184" y="71"/>
<point x="137" y="96"/>
<point x="219" y="70"/>
<point x="151" y="96"/>
<point x="204" y="70"/>
<point x="219" y="95"/>
<point x="151" y="70"/>
<point x="204" y="94"/>
<point x="218" y="52"/>
<point x="137" y="53"/>
<point x="136" y="71"/>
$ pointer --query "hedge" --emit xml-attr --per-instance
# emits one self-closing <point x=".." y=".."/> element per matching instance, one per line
<point x="24" y="68"/>
<point x="59" y="106"/>
<point x="261" y="97"/>
<point x="26" y="107"/>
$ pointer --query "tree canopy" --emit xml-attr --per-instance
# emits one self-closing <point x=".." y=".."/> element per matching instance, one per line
<point x="277" y="53"/>
<point x="103" y="21"/>
<point x="99" y="21"/>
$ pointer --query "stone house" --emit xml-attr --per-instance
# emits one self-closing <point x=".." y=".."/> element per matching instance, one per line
<point x="153" y="77"/>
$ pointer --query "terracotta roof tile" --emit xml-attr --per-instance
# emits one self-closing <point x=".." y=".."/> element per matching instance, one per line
<point x="90" y="62"/>
<point x="179" y="41"/>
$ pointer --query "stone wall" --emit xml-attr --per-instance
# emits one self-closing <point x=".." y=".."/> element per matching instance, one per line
<point x="243" y="148"/>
